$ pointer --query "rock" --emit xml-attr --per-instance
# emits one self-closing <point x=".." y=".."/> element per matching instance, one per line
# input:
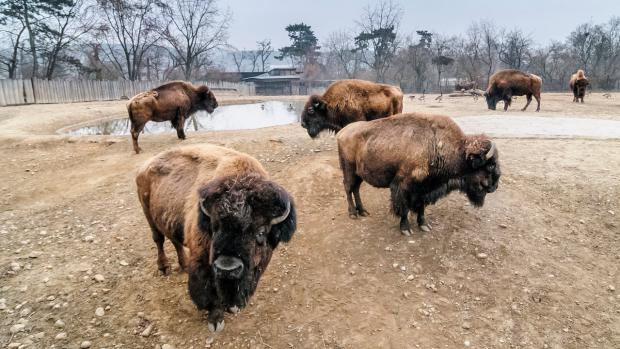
<point x="85" y="344"/>
<point x="59" y="323"/>
<point x="61" y="336"/>
<point x="123" y="263"/>
<point x="611" y="288"/>
<point x="395" y="265"/>
<point x="466" y="343"/>
<point x="25" y="312"/>
<point x="466" y="325"/>
<point x="167" y="346"/>
<point x="99" y="278"/>
<point x="403" y="268"/>
<point x="14" y="345"/>
<point x="482" y="255"/>
<point x="503" y="226"/>
<point x="39" y="335"/>
<point x="410" y="277"/>
<point x="88" y="238"/>
<point x="147" y="331"/>
<point x="99" y="311"/>
<point x="15" y="266"/>
<point x="17" y="328"/>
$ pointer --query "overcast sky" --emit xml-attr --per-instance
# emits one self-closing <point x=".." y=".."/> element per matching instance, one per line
<point x="545" y="20"/>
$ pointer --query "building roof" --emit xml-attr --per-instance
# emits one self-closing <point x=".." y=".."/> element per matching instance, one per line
<point x="267" y="77"/>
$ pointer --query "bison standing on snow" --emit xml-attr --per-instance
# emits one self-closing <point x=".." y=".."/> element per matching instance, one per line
<point x="505" y="84"/>
<point x="173" y="102"/>
<point x="578" y="84"/>
<point x="220" y="204"/>
<point x="421" y="158"/>
<point x="347" y="101"/>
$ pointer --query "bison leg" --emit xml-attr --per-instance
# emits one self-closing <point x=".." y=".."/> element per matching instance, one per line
<point x="421" y="220"/>
<point x="180" y="255"/>
<point x="162" y="261"/>
<point x="537" y="96"/>
<point x="399" y="207"/>
<point x="136" y="128"/>
<point x="352" y="183"/>
<point x="529" y="100"/>
<point x="181" y="127"/>
<point x="216" y="319"/>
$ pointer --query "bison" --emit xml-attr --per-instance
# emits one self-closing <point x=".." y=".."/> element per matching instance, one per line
<point x="421" y="158"/>
<point x="505" y="84"/>
<point x="578" y="84"/>
<point x="347" y="101"/>
<point x="172" y="102"/>
<point x="465" y="85"/>
<point x="220" y="204"/>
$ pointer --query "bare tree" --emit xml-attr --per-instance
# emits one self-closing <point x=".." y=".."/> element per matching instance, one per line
<point x="341" y="50"/>
<point x="378" y="40"/>
<point x="264" y="52"/>
<point x="488" y="44"/>
<point x="129" y="32"/>
<point x="442" y="48"/>
<point x="62" y="29"/>
<point x="9" y="57"/>
<point x="196" y="28"/>
<point x="238" y="58"/>
<point x="514" y="48"/>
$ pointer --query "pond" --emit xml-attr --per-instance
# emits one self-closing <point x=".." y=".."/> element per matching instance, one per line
<point x="230" y="117"/>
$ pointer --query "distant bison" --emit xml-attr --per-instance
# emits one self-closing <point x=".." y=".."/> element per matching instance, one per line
<point x="505" y="84"/>
<point x="172" y="102"/>
<point x="220" y="204"/>
<point x="347" y="101"/>
<point x="421" y="158"/>
<point x="578" y="84"/>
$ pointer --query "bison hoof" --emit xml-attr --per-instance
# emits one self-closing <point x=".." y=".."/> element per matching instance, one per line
<point x="425" y="228"/>
<point x="138" y="150"/>
<point x="406" y="232"/>
<point x="352" y="215"/>
<point x="362" y="212"/>
<point x="165" y="269"/>
<point x="217" y="326"/>
<point x="234" y="310"/>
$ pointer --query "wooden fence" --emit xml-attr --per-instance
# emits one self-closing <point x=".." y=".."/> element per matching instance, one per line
<point x="15" y="92"/>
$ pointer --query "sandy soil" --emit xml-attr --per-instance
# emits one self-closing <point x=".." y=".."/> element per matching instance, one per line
<point x="536" y="267"/>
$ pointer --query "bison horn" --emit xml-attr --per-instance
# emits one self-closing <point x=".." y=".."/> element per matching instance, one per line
<point x="203" y="209"/>
<point x="491" y="152"/>
<point x="281" y="218"/>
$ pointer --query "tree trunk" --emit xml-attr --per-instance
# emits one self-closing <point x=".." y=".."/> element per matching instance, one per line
<point x="31" y="39"/>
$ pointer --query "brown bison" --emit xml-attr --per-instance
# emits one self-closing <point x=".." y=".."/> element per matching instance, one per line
<point x="578" y="84"/>
<point x="421" y="158"/>
<point x="347" y="101"/>
<point x="505" y="84"/>
<point x="465" y="85"/>
<point x="172" y="102"/>
<point x="221" y="205"/>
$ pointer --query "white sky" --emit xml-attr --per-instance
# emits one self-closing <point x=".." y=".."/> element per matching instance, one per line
<point x="545" y="20"/>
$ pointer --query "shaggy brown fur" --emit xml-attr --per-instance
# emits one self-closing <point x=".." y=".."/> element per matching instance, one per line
<point x="578" y="84"/>
<point x="347" y="101"/>
<point x="505" y="84"/>
<point x="172" y="102"/>
<point x="220" y="204"/>
<point x="420" y="157"/>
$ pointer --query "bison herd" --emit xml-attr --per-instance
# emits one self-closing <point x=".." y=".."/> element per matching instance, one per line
<point x="224" y="215"/>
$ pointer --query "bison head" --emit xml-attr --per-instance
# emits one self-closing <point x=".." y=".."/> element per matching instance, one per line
<point x="244" y="219"/>
<point x="483" y="173"/>
<point x="206" y="99"/>
<point x="314" y="117"/>
<point x="492" y="100"/>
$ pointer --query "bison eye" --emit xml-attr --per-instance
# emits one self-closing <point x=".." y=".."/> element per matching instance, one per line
<point x="260" y="236"/>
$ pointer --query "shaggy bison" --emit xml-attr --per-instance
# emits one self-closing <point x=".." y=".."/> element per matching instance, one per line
<point x="421" y="158"/>
<point x="220" y="204"/>
<point x="172" y="102"/>
<point x="347" y="101"/>
<point x="507" y="83"/>
<point x="578" y="84"/>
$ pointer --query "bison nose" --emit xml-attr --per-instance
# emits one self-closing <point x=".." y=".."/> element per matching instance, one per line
<point x="228" y="267"/>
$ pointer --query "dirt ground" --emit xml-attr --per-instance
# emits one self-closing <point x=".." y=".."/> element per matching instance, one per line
<point x="536" y="267"/>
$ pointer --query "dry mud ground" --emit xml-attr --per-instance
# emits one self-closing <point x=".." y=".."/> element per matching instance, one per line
<point x="536" y="267"/>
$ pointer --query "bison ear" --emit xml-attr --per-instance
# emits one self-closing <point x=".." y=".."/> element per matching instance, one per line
<point x="203" y="91"/>
<point x="479" y="152"/>
<point x="318" y="103"/>
<point x="283" y="230"/>
<point x="207" y="196"/>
